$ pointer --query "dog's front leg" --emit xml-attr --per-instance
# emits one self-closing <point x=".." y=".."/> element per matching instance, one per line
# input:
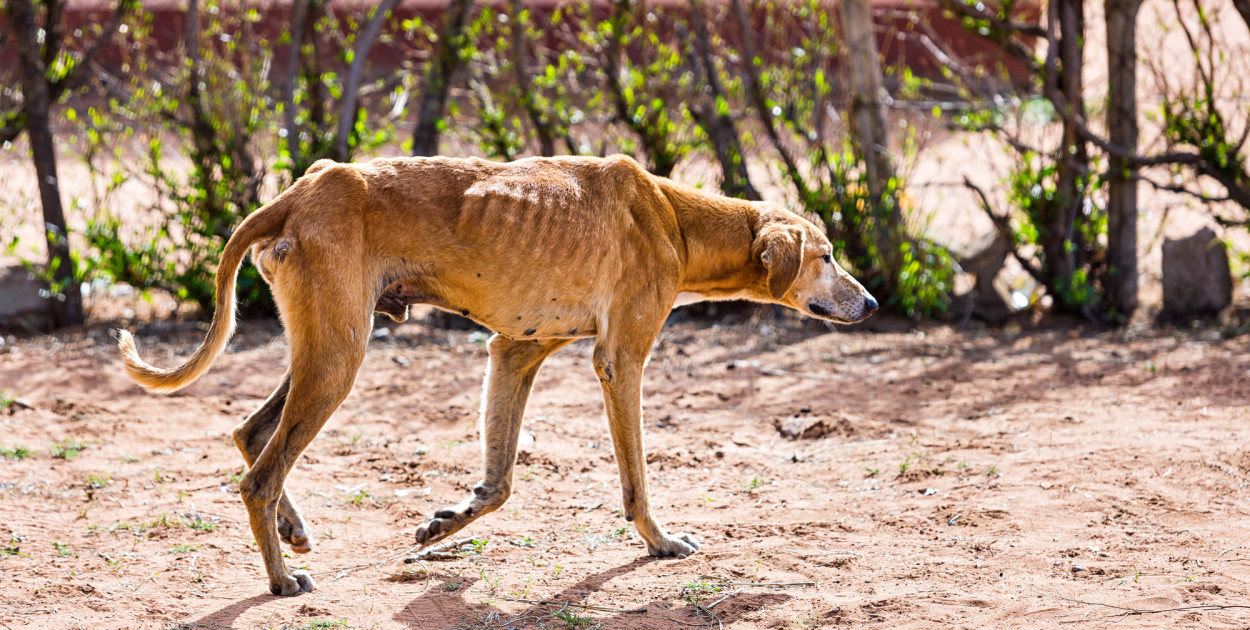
<point x="510" y="374"/>
<point x="620" y="375"/>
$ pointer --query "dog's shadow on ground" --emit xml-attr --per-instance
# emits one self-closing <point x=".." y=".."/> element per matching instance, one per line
<point x="434" y="609"/>
<point x="224" y="617"/>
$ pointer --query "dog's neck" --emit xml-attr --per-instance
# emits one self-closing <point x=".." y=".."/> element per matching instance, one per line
<point x="720" y="234"/>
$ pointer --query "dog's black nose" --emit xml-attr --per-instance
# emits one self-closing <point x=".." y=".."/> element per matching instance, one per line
<point x="870" y="305"/>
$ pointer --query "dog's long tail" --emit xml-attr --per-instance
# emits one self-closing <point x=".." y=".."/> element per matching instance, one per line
<point x="264" y="223"/>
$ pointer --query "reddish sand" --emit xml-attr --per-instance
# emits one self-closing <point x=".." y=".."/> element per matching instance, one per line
<point x="1042" y="469"/>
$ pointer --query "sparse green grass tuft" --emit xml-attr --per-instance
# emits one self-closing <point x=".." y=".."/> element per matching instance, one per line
<point x="67" y="449"/>
<point x="201" y="525"/>
<point x="753" y="484"/>
<point x="695" y="592"/>
<point x="574" y="619"/>
<point x="319" y="624"/>
<point x="18" y="452"/>
<point x="62" y="549"/>
<point x="183" y="548"/>
<point x="99" y="480"/>
<point x="991" y="471"/>
<point x="358" y="497"/>
<point x="6" y="398"/>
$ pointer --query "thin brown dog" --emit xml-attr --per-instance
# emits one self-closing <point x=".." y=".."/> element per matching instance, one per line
<point x="543" y="251"/>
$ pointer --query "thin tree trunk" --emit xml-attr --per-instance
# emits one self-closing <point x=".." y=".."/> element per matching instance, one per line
<point x="735" y="181"/>
<point x="351" y="92"/>
<point x="867" y="107"/>
<point x="1058" y="240"/>
<point x="1121" y="280"/>
<point x="66" y="306"/>
<point x="299" y="19"/>
<point x="871" y="141"/>
<point x="433" y="104"/>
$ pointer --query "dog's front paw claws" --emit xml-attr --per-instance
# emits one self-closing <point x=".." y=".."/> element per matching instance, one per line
<point x="294" y="584"/>
<point x="674" y="546"/>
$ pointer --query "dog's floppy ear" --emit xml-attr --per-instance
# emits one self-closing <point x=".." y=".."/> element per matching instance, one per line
<point x="780" y="248"/>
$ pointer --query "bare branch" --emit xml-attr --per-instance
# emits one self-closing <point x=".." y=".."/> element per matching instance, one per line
<point x="351" y="92"/>
<point x="78" y="75"/>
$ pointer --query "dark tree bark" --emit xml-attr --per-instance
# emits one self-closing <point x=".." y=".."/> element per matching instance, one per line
<point x="299" y="23"/>
<point x="447" y="59"/>
<point x="735" y="181"/>
<point x="65" y="307"/>
<point x="1064" y="69"/>
<point x="1121" y="280"/>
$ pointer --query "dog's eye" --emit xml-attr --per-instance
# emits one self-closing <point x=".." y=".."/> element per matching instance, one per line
<point x="827" y="258"/>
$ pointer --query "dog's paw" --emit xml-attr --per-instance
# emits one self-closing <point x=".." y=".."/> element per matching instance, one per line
<point x="294" y="584"/>
<point x="674" y="546"/>
<point x="295" y="535"/>
<point x="443" y="524"/>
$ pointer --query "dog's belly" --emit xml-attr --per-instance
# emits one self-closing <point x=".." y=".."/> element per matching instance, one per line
<point x="516" y="309"/>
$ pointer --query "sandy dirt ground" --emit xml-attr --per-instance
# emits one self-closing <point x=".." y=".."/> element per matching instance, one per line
<point x="908" y="479"/>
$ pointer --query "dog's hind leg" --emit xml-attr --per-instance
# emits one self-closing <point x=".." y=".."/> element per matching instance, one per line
<point x="251" y="437"/>
<point x="325" y="356"/>
<point x="510" y="373"/>
<point x="619" y="360"/>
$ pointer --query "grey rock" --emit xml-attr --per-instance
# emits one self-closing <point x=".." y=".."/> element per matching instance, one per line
<point x="1197" y="281"/>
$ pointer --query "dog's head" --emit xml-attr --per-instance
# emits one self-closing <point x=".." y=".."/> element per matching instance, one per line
<point x="801" y="270"/>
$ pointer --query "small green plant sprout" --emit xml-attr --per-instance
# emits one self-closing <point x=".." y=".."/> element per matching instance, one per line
<point x="492" y="584"/>
<point x="17" y="452"/>
<point x="67" y="449"/>
<point x="620" y="531"/>
<point x="559" y="569"/>
<point x="98" y="480"/>
<point x="358" y="497"/>
<point x="992" y="471"/>
<point x="62" y="549"/>
<point x="6" y="398"/>
<point x="872" y="472"/>
<point x="131" y="459"/>
<point x="479" y="545"/>
<point x="323" y="624"/>
<point x="523" y="541"/>
<point x="529" y="474"/>
<point x="695" y="592"/>
<point x="15" y="547"/>
<point x="201" y="525"/>
<point x="754" y="483"/>
<point x="573" y="619"/>
<point x="963" y="463"/>
<point x="234" y="477"/>
<point x="904" y="465"/>
<point x="183" y="548"/>
<point x="706" y="499"/>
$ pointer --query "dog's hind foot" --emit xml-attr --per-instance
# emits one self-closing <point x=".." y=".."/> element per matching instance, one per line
<point x="294" y="534"/>
<point x="295" y="583"/>
<point x="674" y="545"/>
